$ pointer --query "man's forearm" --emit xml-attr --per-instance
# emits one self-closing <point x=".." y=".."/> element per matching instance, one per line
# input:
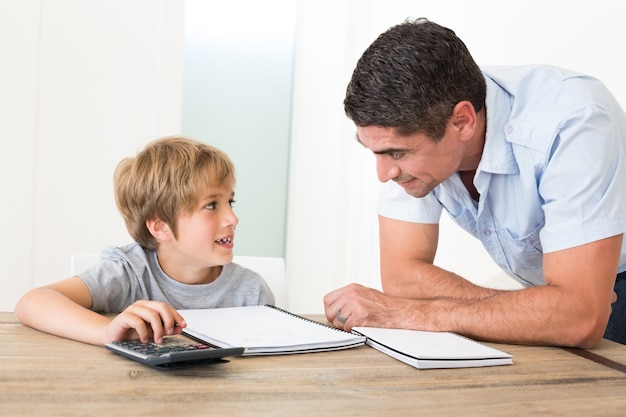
<point x="536" y="315"/>
<point x="425" y="280"/>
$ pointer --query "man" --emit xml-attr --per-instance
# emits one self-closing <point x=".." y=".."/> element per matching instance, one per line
<point x="530" y="160"/>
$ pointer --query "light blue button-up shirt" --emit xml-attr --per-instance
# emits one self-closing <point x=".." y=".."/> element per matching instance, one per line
<point x="552" y="175"/>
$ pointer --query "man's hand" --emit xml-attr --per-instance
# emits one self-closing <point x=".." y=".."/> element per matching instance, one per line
<point x="356" y="305"/>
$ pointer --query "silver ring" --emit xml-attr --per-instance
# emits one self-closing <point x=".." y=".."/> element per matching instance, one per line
<point x="341" y="319"/>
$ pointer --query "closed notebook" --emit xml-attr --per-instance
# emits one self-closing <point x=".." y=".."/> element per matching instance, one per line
<point x="425" y="350"/>
<point x="264" y="330"/>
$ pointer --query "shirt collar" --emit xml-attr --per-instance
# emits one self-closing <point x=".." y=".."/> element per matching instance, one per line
<point x="497" y="157"/>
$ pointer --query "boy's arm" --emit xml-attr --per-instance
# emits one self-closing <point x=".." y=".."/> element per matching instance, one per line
<point x="62" y="309"/>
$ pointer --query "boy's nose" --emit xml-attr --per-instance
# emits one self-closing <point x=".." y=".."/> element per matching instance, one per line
<point x="231" y="219"/>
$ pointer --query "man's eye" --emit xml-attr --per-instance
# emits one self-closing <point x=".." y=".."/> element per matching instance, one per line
<point x="210" y="206"/>
<point x="231" y="202"/>
<point x="396" y="155"/>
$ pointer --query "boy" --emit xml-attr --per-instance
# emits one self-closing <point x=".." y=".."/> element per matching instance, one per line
<point x="176" y="199"/>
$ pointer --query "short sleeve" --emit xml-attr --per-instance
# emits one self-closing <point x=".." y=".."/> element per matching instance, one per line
<point x="582" y="185"/>
<point x="395" y="203"/>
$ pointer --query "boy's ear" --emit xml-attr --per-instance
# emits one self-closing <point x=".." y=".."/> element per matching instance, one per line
<point x="159" y="229"/>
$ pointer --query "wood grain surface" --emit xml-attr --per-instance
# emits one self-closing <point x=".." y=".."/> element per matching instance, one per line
<point x="44" y="375"/>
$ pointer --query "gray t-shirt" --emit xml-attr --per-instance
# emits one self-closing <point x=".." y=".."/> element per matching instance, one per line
<point x="130" y="273"/>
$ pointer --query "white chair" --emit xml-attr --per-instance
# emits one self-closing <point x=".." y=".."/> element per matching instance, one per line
<point x="271" y="269"/>
<point x="79" y="263"/>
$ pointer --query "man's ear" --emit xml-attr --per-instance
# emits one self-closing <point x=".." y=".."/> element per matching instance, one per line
<point x="159" y="229"/>
<point x="465" y="120"/>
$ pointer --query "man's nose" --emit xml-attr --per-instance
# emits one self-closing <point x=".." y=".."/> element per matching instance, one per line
<point x="386" y="168"/>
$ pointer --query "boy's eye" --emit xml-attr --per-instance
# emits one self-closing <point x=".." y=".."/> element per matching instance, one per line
<point x="213" y="204"/>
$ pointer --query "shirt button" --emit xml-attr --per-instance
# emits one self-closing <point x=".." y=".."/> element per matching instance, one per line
<point x="509" y="129"/>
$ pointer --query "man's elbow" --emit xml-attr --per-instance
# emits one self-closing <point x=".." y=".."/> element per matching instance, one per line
<point x="588" y="332"/>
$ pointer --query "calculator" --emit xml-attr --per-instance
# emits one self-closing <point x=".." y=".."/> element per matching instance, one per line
<point x="172" y="353"/>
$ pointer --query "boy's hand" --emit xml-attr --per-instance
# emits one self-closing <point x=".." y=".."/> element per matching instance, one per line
<point x="145" y="320"/>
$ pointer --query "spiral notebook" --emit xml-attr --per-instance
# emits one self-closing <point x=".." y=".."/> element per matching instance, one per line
<point x="265" y="330"/>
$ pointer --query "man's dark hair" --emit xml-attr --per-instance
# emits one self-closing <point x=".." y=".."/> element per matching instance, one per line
<point x="411" y="78"/>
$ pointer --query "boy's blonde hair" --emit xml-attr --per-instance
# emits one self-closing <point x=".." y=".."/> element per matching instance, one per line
<point x="165" y="179"/>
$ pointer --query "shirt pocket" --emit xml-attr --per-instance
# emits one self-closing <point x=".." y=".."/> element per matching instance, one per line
<point x="524" y="255"/>
<point x="464" y="218"/>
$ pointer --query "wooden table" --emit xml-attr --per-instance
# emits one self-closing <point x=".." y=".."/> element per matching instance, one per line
<point x="44" y="375"/>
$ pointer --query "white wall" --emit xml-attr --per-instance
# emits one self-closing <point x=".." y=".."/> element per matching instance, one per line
<point x="84" y="84"/>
